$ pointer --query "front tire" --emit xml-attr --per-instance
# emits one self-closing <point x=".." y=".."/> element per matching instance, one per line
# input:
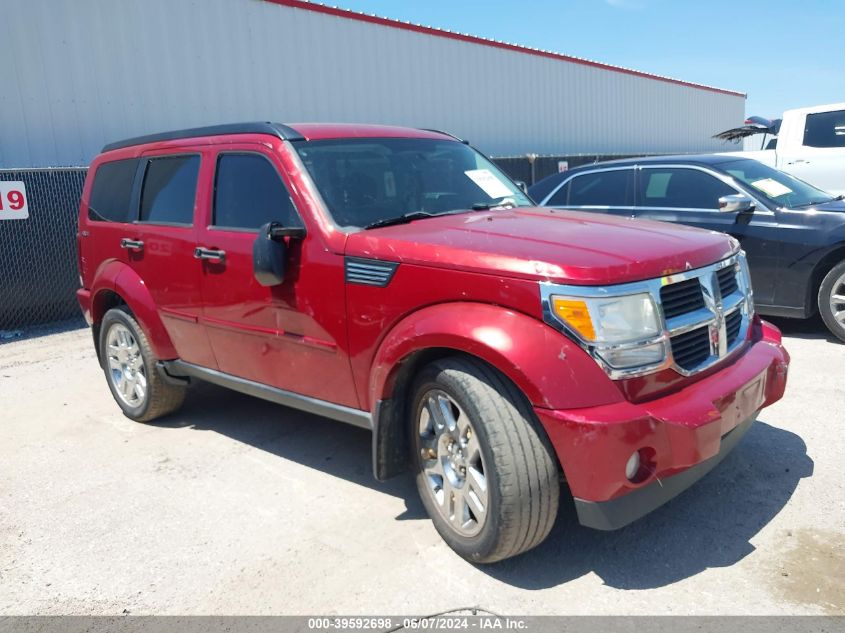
<point x="130" y="367"/>
<point x="485" y="471"/>
<point x="832" y="301"/>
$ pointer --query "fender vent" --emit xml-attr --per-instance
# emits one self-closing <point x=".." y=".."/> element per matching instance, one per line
<point x="369" y="272"/>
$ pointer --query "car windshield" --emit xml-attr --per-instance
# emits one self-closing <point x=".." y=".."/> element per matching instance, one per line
<point x="775" y="185"/>
<point x="369" y="180"/>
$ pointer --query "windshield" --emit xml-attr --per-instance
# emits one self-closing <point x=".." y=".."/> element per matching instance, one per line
<point x="775" y="185"/>
<point x="364" y="181"/>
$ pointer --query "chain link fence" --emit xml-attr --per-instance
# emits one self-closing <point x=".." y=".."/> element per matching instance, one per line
<point x="522" y="168"/>
<point x="38" y="269"/>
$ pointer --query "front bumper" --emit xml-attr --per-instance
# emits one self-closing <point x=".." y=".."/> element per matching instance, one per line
<point x="682" y="436"/>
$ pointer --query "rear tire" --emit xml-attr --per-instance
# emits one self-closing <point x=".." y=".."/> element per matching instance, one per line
<point x="832" y="301"/>
<point x="485" y="470"/>
<point x="130" y="367"/>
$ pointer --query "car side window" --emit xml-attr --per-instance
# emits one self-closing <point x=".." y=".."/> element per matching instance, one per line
<point x="825" y="129"/>
<point x="249" y="192"/>
<point x="111" y="193"/>
<point x="680" y="188"/>
<point x="169" y="191"/>
<point x="611" y="188"/>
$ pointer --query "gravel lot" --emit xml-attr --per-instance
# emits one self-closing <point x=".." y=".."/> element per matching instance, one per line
<point x="236" y="506"/>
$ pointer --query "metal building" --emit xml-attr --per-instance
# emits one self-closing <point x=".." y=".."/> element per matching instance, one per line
<point x="77" y="74"/>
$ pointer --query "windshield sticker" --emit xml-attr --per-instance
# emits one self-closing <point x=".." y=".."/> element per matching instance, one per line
<point x="389" y="184"/>
<point x="491" y="185"/>
<point x="771" y="187"/>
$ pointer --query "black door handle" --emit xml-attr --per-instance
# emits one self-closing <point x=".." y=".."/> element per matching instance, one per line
<point x="131" y="245"/>
<point x="200" y="252"/>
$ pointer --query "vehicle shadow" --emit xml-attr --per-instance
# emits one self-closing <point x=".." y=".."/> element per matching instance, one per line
<point x="338" y="449"/>
<point x="809" y="329"/>
<point x="711" y="525"/>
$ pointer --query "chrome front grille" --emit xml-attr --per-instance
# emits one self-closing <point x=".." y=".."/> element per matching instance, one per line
<point x="727" y="280"/>
<point x="700" y="333"/>
<point x="692" y="348"/>
<point x="682" y="297"/>
<point x="733" y="324"/>
<point x="704" y="316"/>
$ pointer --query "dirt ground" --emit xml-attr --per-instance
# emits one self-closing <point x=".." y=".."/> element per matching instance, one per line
<point x="237" y="506"/>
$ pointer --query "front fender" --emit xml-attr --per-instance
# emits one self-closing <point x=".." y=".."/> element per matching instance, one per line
<point x="551" y="370"/>
<point x="122" y="280"/>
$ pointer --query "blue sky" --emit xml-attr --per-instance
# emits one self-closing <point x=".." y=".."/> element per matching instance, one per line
<point x="782" y="53"/>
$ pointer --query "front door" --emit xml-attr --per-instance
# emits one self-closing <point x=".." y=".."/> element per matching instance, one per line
<point x="691" y="196"/>
<point x="291" y="336"/>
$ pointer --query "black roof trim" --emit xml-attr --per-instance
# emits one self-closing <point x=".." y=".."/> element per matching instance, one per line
<point x="449" y="134"/>
<point x="279" y="130"/>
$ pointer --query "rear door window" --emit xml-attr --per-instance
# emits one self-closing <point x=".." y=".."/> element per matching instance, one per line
<point x="680" y="188"/>
<point x="248" y="193"/>
<point x="111" y="193"/>
<point x="611" y="188"/>
<point x="825" y="129"/>
<point x="170" y="187"/>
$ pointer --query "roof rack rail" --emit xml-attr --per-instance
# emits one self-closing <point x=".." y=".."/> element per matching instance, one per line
<point x="278" y="130"/>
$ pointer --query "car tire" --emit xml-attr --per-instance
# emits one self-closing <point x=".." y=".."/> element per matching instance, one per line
<point x="130" y="368"/>
<point x="832" y="300"/>
<point x="477" y="444"/>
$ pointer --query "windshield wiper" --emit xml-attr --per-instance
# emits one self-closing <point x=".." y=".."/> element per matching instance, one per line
<point x="421" y="215"/>
<point x="405" y="218"/>
<point x="486" y="206"/>
<point x="810" y="204"/>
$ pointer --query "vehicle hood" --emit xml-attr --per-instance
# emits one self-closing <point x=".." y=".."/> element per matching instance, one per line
<point x="835" y="206"/>
<point x="546" y="244"/>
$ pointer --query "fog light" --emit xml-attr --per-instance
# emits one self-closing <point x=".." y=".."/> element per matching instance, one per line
<point x="627" y="358"/>
<point x="632" y="468"/>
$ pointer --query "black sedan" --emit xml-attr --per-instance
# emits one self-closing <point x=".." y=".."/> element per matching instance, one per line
<point x="792" y="233"/>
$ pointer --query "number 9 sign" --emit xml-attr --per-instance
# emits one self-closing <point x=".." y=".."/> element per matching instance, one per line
<point x="13" y="204"/>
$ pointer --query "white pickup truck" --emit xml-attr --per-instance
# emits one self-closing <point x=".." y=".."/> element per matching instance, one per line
<point x="808" y="143"/>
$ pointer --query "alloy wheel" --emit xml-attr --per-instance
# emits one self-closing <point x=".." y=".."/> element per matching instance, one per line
<point x="126" y="366"/>
<point x="837" y="300"/>
<point x="452" y="464"/>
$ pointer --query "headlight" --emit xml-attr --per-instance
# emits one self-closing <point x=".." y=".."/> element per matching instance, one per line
<point x="617" y="327"/>
<point x="746" y="276"/>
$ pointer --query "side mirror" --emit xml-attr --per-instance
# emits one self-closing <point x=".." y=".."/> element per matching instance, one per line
<point x="736" y="203"/>
<point x="522" y="186"/>
<point x="269" y="252"/>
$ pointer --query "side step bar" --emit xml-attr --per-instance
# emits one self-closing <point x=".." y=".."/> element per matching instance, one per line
<point x="180" y="369"/>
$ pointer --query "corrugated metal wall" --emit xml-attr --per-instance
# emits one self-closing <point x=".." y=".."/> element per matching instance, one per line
<point x="76" y="74"/>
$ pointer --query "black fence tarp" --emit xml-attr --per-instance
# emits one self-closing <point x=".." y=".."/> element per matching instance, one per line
<point x="38" y="270"/>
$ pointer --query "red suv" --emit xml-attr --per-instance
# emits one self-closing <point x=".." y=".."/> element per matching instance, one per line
<point x="395" y="279"/>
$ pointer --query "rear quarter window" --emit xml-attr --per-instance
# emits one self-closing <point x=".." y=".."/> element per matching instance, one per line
<point x="825" y="129"/>
<point x="612" y="188"/>
<point x="111" y="193"/>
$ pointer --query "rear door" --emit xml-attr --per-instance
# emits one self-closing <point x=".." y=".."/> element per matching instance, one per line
<point x="109" y="217"/>
<point x="690" y="196"/>
<point x="291" y="336"/>
<point x="609" y="191"/>
<point x="161" y="247"/>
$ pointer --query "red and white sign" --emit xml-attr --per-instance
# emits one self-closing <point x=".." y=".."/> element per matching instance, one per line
<point x="13" y="204"/>
<point x="562" y="166"/>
